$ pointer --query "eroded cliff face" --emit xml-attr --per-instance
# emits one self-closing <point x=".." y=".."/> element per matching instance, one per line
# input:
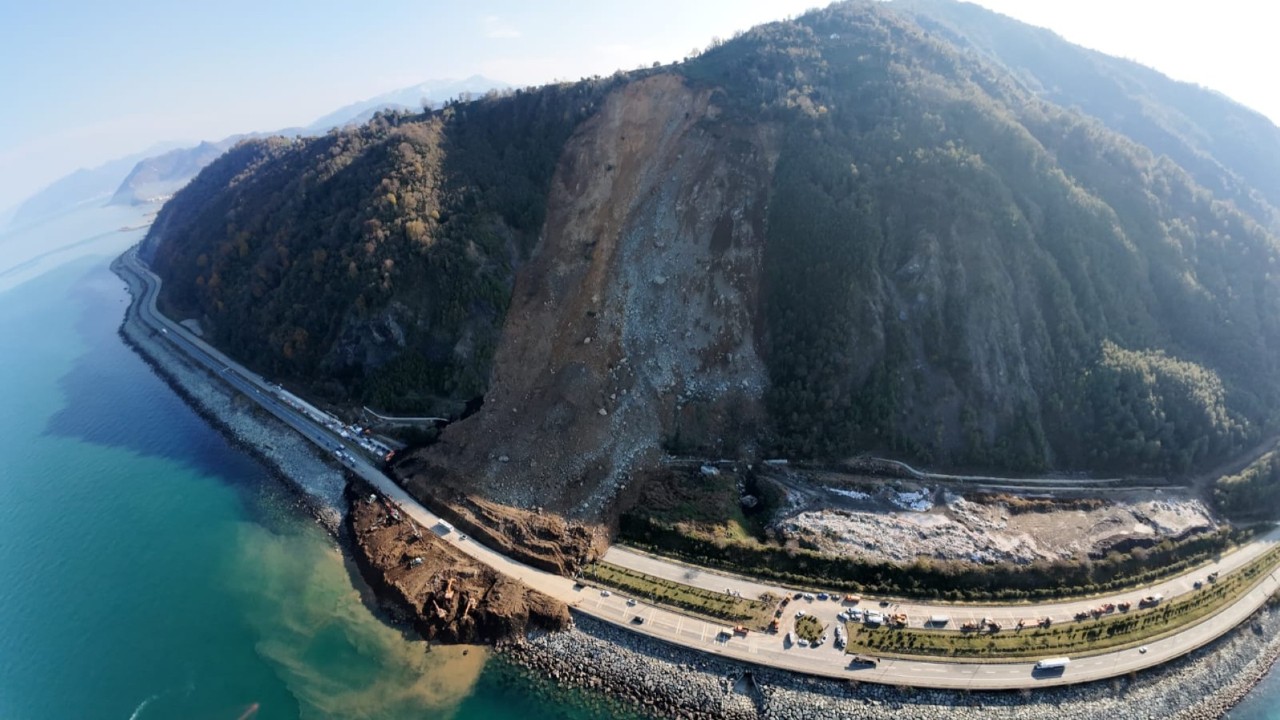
<point x="634" y="323"/>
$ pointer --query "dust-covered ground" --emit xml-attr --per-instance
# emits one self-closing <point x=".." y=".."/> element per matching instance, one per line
<point x="903" y="521"/>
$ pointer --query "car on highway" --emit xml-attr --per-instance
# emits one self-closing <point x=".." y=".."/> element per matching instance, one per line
<point x="1143" y="649"/>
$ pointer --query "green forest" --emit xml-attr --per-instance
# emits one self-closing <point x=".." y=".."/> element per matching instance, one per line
<point x="372" y="265"/>
<point x="960" y="273"/>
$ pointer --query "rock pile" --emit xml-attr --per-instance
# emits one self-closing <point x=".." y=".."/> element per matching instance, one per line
<point x="666" y="681"/>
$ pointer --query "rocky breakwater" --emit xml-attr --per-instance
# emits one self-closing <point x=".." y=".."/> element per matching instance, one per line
<point x="443" y="593"/>
<point x="289" y="455"/>
<point x="654" y="678"/>
<point x="663" y="680"/>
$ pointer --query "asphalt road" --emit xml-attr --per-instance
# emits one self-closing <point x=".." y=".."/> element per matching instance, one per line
<point x="1007" y="615"/>
<point x="759" y="648"/>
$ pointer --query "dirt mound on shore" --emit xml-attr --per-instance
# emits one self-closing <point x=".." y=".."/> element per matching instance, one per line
<point x="445" y="594"/>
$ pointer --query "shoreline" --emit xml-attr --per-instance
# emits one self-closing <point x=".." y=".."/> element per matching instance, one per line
<point x="652" y="677"/>
<point x="290" y="459"/>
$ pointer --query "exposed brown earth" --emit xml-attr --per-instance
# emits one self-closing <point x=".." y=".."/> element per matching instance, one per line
<point x="634" y="322"/>
<point x="443" y="593"/>
<point x="535" y="537"/>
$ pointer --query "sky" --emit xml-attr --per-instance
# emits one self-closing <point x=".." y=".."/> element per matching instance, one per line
<point x="86" y="81"/>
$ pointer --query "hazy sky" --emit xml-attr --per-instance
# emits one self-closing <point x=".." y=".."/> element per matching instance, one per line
<point x="82" y="82"/>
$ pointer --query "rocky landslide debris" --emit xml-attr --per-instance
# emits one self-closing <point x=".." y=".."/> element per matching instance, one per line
<point x="668" y="681"/>
<point x="443" y="593"/>
<point x="634" y="321"/>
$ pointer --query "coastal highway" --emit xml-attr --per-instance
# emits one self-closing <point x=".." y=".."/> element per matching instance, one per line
<point x="685" y="631"/>
<point x="1007" y="615"/>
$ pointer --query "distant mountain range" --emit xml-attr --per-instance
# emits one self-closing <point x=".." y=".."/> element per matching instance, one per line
<point x="82" y="187"/>
<point x="431" y="92"/>
<point x="162" y="169"/>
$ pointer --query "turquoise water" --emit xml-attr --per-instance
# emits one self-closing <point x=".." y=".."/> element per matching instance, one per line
<point x="1263" y="703"/>
<point x="150" y="570"/>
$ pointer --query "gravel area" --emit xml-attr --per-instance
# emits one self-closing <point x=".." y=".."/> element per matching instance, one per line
<point x="319" y="483"/>
<point x="887" y="523"/>
<point x="662" y="680"/>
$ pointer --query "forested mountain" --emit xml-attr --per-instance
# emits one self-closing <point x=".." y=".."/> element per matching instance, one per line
<point x="845" y="232"/>
<point x="1226" y="147"/>
<point x="375" y="262"/>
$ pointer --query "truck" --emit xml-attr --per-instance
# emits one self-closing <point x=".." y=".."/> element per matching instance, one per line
<point x="1053" y="664"/>
<point x="938" y="620"/>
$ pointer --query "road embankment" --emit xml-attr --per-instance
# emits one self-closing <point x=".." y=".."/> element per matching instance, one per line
<point x="668" y="681"/>
<point x="283" y="451"/>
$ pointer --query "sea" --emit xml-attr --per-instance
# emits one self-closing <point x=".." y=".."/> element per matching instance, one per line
<point x="150" y="569"/>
